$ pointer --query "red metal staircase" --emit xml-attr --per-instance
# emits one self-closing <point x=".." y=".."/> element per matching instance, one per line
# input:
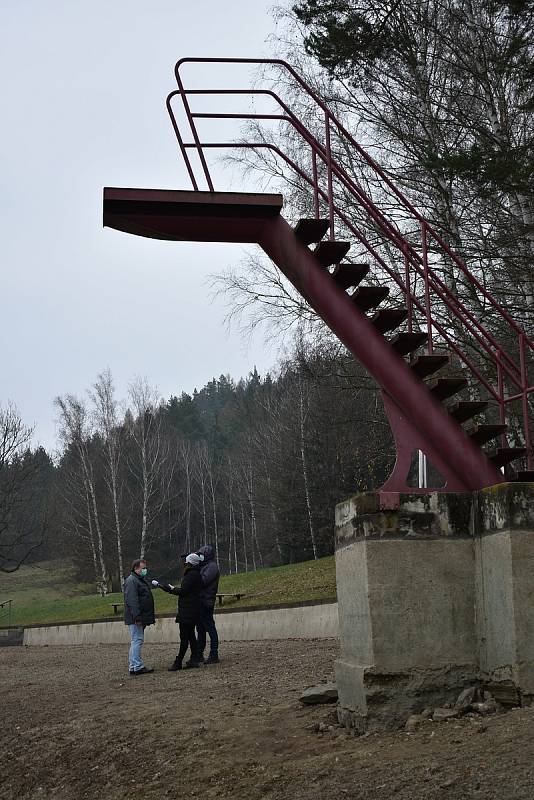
<point x="386" y="339"/>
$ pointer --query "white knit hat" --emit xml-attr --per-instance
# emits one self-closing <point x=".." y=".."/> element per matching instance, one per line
<point x="194" y="559"/>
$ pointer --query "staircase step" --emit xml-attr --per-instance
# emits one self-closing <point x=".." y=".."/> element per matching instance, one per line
<point x="467" y="409"/>
<point x="367" y="297"/>
<point x="388" y="319"/>
<point x="427" y="365"/>
<point x="310" y="231"/>
<point x="404" y="343"/>
<point x="503" y="455"/>
<point x="524" y="476"/>
<point x="443" y="388"/>
<point x="331" y="252"/>
<point x="481" y="434"/>
<point x="347" y="275"/>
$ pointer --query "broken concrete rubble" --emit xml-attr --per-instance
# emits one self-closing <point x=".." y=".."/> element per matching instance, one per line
<point x="322" y="693"/>
<point x="441" y="714"/>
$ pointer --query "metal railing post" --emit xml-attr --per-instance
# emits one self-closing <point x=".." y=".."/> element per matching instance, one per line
<point x="192" y="125"/>
<point x="180" y="141"/>
<point x="424" y="244"/>
<point x="329" y="172"/>
<point x="315" y="184"/>
<point x="502" y="405"/>
<point x="408" y="291"/>
<point x="422" y="470"/>
<point x="524" y="382"/>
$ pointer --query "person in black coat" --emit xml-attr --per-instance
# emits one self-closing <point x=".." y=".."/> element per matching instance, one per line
<point x="189" y="609"/>
<point x="209" y="572"/>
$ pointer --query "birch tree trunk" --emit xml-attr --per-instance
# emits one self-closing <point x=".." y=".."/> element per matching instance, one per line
<point x="245" y="556"/>
<point x="75" y="431"/>
<point x="105" y="410"/>
<point x="154" y="464"/>
<point x="304" y="464"/>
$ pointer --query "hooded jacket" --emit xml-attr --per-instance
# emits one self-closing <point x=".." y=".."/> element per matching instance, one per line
<point x="138" y="601"/>
<point x="189" y="603"/>
<point x="209" y="572"/>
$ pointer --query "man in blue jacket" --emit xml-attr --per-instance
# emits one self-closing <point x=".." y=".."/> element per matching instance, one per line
<point x="138" y="613"/>
<point x="209" y="573"/>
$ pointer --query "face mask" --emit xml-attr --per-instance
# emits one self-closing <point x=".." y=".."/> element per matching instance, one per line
<point x="143" y="572"/>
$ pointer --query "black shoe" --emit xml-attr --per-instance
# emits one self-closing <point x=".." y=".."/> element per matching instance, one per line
<point x="213" y="660"/>
<point x="175" y="666"/>
<point x="142" y="671"/>
<point x="191" y="664"/>
<point x="200" y="659"/>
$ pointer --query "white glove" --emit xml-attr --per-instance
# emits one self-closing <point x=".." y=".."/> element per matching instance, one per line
<point x="155" y="583"/>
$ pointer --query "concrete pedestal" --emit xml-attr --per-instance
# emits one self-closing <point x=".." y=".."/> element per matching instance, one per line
<point x="504" y="582"/>
<point x="433" y="596"/>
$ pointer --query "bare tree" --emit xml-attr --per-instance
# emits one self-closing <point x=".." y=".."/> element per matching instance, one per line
<point x="154" y="457"/>
<point x="303" y="403"/>
<point x="185" y="451"/>
<point x="249" y="483"/>
<point x="202" y="479"/>
<point x="77" y="519"/>
<point x="18" y="538"/>
<point x="105" y="409"/>
<point x="440" y="93"/>
<point x="212" y="478"/>
<point x="75" y="432"/>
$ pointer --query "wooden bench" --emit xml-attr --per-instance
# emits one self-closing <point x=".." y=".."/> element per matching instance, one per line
<point x="237" y="595"/>
<point x="116" y="607"/>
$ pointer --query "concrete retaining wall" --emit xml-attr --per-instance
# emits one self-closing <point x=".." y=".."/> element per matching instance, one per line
<point x="301" y="622"/>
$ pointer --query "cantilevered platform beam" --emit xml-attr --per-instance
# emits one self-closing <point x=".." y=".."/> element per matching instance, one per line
<point x="190" y="216"/>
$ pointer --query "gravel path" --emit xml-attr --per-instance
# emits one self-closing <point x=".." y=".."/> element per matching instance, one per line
<point x="75" y="725"/>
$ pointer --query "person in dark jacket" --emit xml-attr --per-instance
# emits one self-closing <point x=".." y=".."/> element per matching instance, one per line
<point x="209" y="572"/>
<point x="138" y="613"/>
<point x="188" y="609"/>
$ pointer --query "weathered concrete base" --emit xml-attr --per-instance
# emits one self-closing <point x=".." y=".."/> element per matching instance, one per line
<point x="504" y="579"/>
<point x="433" y="596"/>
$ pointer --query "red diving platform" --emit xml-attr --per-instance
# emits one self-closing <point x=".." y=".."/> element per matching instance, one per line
<point x="403" y="346"/>
<point x="190" y="216"/>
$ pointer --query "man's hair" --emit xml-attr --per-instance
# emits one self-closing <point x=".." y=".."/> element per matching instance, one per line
<point x="137" y="563"/>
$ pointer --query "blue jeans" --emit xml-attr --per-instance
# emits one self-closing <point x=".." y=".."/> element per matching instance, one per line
<point x="207" y="625"/>
<point x="137" y="635"/>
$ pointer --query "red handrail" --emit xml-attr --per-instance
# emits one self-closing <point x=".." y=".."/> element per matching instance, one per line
<point x="434" y="286"/>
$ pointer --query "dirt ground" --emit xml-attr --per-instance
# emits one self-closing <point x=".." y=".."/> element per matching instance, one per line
<point x="74" y="724"/>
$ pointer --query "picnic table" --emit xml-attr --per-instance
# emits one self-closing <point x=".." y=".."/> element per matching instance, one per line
<point x="237" y="595"/>
<point x="116" y="607"/>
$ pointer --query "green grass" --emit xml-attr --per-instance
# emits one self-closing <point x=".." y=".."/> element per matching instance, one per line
<point x="47" y="593"/>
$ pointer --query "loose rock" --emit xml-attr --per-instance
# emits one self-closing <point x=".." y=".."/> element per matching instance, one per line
<point x="485" y="708"/>
<point x="441" y="714"/>
<point x="414" y="722"/>
<point x="472" y="694"/>
<point x="322" y="693"/>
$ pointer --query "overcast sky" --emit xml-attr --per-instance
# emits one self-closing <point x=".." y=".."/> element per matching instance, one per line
<point x="83" y="90"/>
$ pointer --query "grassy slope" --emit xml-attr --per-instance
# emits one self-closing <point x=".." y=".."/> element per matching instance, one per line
<point x="47" y="593"/>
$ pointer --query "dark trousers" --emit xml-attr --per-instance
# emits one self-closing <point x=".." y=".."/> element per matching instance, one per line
<point x="187" y="639"/>
<point x="207" y="625"/>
